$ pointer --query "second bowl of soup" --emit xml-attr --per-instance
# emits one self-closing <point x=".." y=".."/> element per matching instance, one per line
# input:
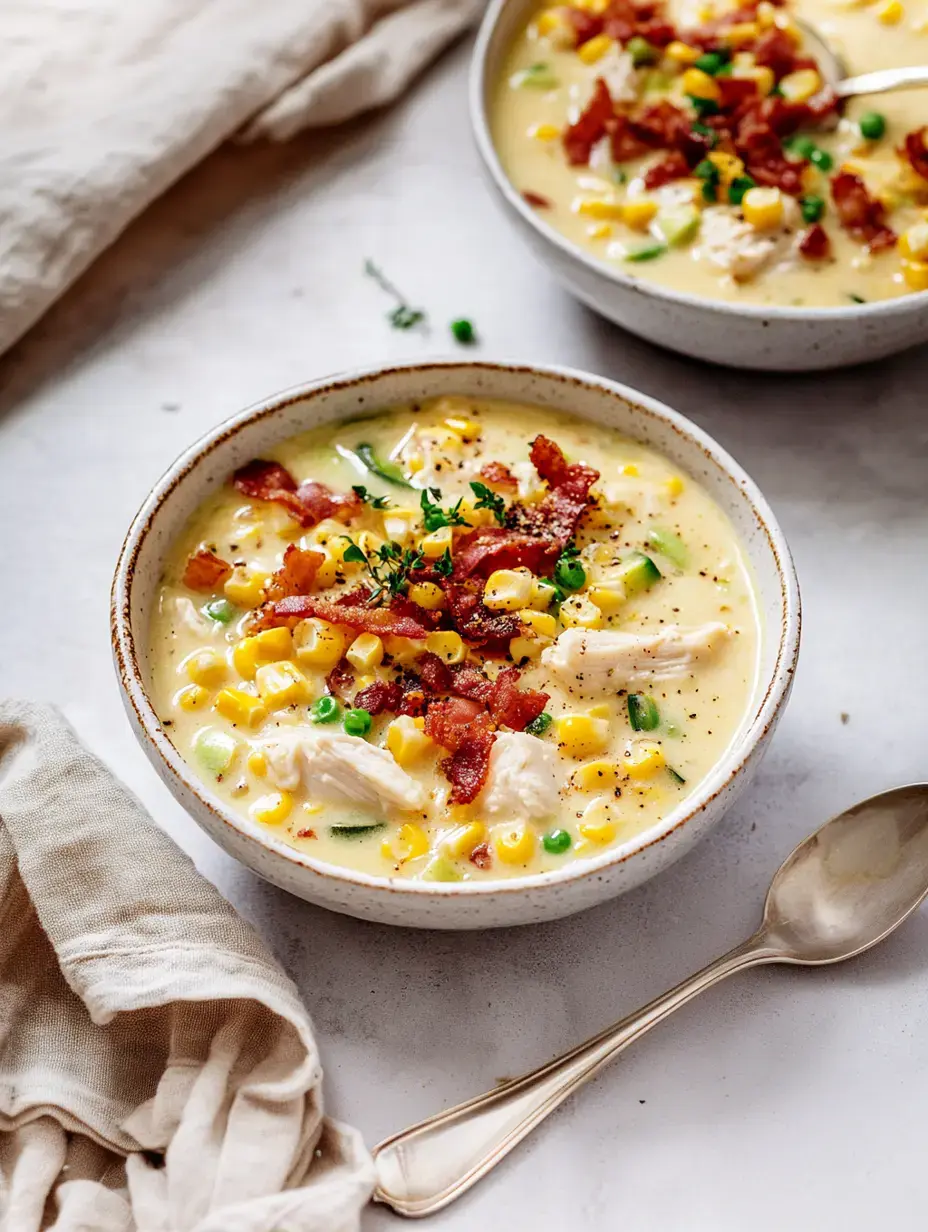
<point x="459" y="645"/>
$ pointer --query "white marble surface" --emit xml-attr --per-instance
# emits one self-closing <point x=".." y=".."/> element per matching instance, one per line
<point x="786" y="1100"/>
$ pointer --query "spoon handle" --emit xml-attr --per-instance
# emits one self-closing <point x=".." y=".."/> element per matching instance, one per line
<point x="422" y="1169"/>
<point x="883" y="80"/>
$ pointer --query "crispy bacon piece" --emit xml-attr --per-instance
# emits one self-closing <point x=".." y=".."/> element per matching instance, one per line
<point x="623" y="140"/>
<point x="307" y="504"/>
<point x="498" y="475"/>
<point x="511" y="706"/>
<point x="481" y="551"/>
<point x="815" y="244"/>
<point x="205" y="571"/>
<point x="536" y="199"/>
<point x="481" y="857"/>
<point x="379" y="620"/>
<point x="776" y="50"/>
<point x="296" y="574"/>
<point x="860" y="215"/>
<point x="915" y="150"/>
<point x="379" y="696"/>
<point x="340" y="680"/>
<point x="476" y="624"/>
<point x="467" y="768"/>
<point x="585" y="24"/>
<point x="434" y="675"/>
<point x="469" y="681"/>
<point x="673" y="167"/>
<point x="624" y="18"/>
<point x="454" y="720"/>
<point x="735" y="91"/>
<point x="592" y="124"/>
<point x="660" y="125"/>
<point x="760" y="124"/>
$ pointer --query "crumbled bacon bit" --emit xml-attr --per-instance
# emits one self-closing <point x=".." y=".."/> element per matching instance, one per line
<point x="673" y="167"/>
<point x="433" y="673"/>
<point x="861" y="216"/>
<point x="815" y="244"/>
<point x="734" y="91"/>
<point x="760" y="124"/>
<point x="474" y="621"/>
<point x="340" y="680"/>
<point x="511" y="706"/>
<point x="776" y="50"/>
<point x="454" y="720"/>
<point x="307" y="504"/>
<point x="624" y="144"/>
<point x="481" y="857"/>
<point x="536" y="199"/>
<point x="468" y="766"/>
<point x="379" y="696"/>
<point x="625" y="18"/>
<point x="205" y="571"/>
<point x="481" y="551"/>
<point x="498" y="475"/>
<point x="263" y="480"/>
<point x="660" y="125"/>
<point x="296" y="574"/>
<point x="469" y="681"/>
<point x="585" y="24"/>
<point x="306" y="833"/>
<point x="592" y="124"/>
<point x="379" y="620"/>
<point x="915" y="150"/>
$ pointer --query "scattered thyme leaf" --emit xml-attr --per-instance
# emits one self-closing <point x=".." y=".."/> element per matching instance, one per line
<point x="444" y="566"/>
<point x="486" y="499"/>
<point x="375" y="502"/>
<point x="434" y="517"/>
<point x="403" y="316"/>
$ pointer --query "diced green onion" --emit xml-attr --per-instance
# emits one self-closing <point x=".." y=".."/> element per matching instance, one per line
<point x="641" y="51"/>
<point x="557" y="842"/>
<point x="812" y="208"/>
<point x="644" y="250"/>
<point x="669" y="545"/>
<point x="214" y="750"/>
<point x="357" y="722"/>
<point x="324" y="710"/>
<point x="535" y="77"/>
<point x="356" y="831"/>
<point x="739" y="186"/>
<point x="872" y="125"/>
<point x="540" y="724"/>
<point x="220" y="610"/>
<point x="464" y="331"/>
<point x="386" y="470"/>
<point x="643" y="713"/>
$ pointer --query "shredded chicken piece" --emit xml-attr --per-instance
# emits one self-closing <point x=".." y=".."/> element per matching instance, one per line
<point x="335" y="767"/>
<point x="596" y="661"/>
<point x="522" y="783"/>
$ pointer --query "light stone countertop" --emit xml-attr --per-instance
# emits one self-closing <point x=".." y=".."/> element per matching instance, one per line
<point x="782" y="1100"/>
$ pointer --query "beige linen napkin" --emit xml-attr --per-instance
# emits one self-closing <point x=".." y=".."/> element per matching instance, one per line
<point x="157" y="1069"/>
<point x="108" y="102"/>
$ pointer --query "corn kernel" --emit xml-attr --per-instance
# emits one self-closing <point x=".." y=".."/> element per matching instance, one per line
<point x="597" y="7"/>
<point x="608" y="598"/>
<point x="245" y="587"/>
<point x="319" y="643"/>
<point x="542" y="595"/>
<point x="766" y="14"/>
<point x="599" y="231"/>
<point x="326" y="573"/>
<point x="890" y="13"/>
<point x="521" y="648"/>
<point x="741" y="32"/>
<point x="467" y="429"/>
<point x="729" y="166"/>
<point x="579" y="735"/>
<point x="682" y="53"/>
<point x="240" y="707"/>
<point x="800" y="86"/>
<point x="578" y="612"/>
<point x="507" y="590"/>
<point x="406" y="740"/>
<point x="597" y="824"/>
<point x="206" y="667"/>
<point x="674" y="485"/>
<point x="464" y="839"/>
<point x="643" y="760"/>
<point x="745" y="69"/>
<point x="365" y="652"/>
<point x="542" y="624"/>
<point x="402" y="650"/>
<point x="409" y="842"/>
<point x="543" y="132"/>
<point x="595" y="48"/>
<point x="273" y="808"/>
<point x="514" y="843"/>
<point x="398" y="524"/>
<point x="915" y="274"/>
<point x="595" y="776"/>
<point x="427" y="595"/>
<point x="474" y="516"/>
<point x="257" y="763"/>
<point x="763" y="208"/>
<point x="698" y="84"/>
<point x="437" y="543"/>
<point x="599" y="207"/>
<point x="281" y="684"/>
<point x="369" y="543"/>
<point x="193" y="697"/>
<point x="638" y="213"/>
<point x="602" y="710"/>
<point x="447" y="645"/>
<point x="913" y="244"/>
<point x="630" y="469"/>
<point x="550" y="21"/>
<point x="266" y="647"/>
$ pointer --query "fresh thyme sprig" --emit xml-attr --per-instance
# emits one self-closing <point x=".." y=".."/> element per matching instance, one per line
<point x="487" y="499"/>
<point x="375" y="502"/>
<point x="434" y="517"/>
<point x="389" y="567"/>
<point x="403" y="316"/>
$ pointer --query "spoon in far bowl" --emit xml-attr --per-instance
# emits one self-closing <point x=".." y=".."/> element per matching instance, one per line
<point x="841" y="891"/>
<point x="834" y="72"/>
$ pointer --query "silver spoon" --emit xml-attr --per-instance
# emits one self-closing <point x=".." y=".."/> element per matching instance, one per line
<point x="840" y="892"/>
<point x="834" y="70"/>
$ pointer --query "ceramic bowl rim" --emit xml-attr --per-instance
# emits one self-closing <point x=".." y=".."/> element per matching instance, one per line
<point x="773" y="688"/>
<point x="902" y="305"/>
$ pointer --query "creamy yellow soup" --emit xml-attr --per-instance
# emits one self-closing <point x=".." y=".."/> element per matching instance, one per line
<point x="742" y="243"/>
<point x="644" y="639"/>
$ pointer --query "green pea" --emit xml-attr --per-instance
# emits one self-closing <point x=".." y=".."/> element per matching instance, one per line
<point x="557" y="842"/>
<point x="812" y="208"/>
<point x="357" y="722"/>
<point x="641" y="51"/>
<point x="805" y="147"/>
<point x="464" y="331"/>
<point x="220" y="610"/>
<point x="539" y="725"/>
<point x="872" y="125"/>
<point x="821" y="159"/>
<point x="712" y="62"/>
<point x="325" y="710"/>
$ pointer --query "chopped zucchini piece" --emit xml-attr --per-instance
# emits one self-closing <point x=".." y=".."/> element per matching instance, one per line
<point x="643" y="250"/>
<point x="677" y="224"/>
<point x="638" y="572"/>
<point x="669" y="545"/>
<point x="643" y="713"/>
<point x="356" y="831"/>
<point x="214" y="750"/>
<point x="440" y="868"/>
<point x="385" y="470"/>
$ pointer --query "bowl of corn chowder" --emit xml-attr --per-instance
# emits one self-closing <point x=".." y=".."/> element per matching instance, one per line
<point x="685" y="169"/>
<point x="455" y="645"/>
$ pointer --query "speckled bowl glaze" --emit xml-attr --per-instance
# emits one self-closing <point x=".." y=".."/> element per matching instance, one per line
<point x="782" y="339"/>
<point x="207" y="465"/>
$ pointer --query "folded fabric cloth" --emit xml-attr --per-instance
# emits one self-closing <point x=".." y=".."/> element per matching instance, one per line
<point x="113" y="100"/>
<point x="157" y="1069"/>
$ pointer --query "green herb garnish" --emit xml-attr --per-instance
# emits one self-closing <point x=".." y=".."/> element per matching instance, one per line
<point x="403" y="316"/>
<point x="444" y="566"/>
<point x="434" y="517"/>
<point x="387" y="470"/>
<point x="569" y="573"/>
<point x="389" y="567"/>
<point x="487" y="499"/>
<point x="738" y="187"/>
<point x="375" y="502"/>
<point x="704" y="106"/>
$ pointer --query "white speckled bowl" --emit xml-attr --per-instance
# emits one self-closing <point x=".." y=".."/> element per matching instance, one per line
<point x="209" y="462"/>
<point x="782" y="339"/>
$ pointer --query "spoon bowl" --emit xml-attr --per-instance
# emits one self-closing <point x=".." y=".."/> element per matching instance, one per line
<point x="852" y="882"/>
<point x="834" y="71"/>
